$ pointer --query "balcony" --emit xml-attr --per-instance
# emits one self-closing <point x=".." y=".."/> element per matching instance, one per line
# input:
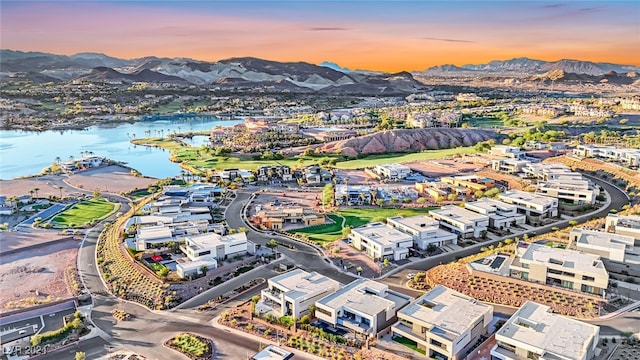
<point x="406" y="331"/>
<point x="351" y="323"/>
<point x="272" y="295"/>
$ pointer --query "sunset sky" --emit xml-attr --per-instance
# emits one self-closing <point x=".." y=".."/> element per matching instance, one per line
<point x="373" y="35"/>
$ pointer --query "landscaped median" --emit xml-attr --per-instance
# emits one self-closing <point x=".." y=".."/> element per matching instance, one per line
<point x="193" y="346"/>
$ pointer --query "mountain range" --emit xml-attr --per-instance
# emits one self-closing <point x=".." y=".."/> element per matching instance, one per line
<point x="234" y="73"/>
<point x="528" y="66"/>
<point x="248" y="73"/>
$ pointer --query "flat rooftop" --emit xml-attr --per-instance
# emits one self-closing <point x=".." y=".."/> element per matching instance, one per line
<point x="491" y="204"/>
<point x="459" y="214"/>
<point x="360" y="295"/>
<point x="569" y="259"/>
<point x="382" y="234"/>
<point x="534" y="325"/>
<point x="522" y="196"/>
<point x="418" y="223"/>
<point x="393" y="166"/>
<point x="446" y="310"/>
<point x="272" y="352"/>
<point x="210" y="240"/>
<point x="154" y="232"/>
<point x="497" y="264"/>
<point x="302" y="284"/>
<point x="602" y="239"/>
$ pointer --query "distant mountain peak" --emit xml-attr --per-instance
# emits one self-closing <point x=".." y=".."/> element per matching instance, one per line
<point x="334" y="66"/>
<point x="528" y="66"/>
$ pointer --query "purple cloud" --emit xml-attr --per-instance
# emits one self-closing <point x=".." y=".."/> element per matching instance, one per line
<point x="448" y="40"/>
<point x="327" y="29"/>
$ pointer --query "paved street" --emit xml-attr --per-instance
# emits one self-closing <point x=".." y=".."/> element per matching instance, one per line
<point x="147" y="330"/>
<point x="399" y="278"/>
<point x="306" y="256"/>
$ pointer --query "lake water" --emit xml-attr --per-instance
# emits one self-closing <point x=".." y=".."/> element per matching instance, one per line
<point x="25" y="153"/>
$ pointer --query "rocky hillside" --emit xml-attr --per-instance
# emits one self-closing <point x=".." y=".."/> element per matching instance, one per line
<point x="406" y="140"/>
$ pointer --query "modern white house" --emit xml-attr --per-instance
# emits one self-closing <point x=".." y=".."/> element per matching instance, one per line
<point x="534" y="332"/>
<point x="630" y="157"/>
<point x="607" y="245"/>
<point x="567" y="269"/>
<point x="424" y="231"/>
<point x="507" y="151"/>
<point x="444" y="323"/>
<point x="572" y="190"/>
<point x="624" y="225"/>
<point x="501" y="215"/>
<point x="293" y="292"/>
<point x="465" y="223"/>
<point x="363" y="306"/>
<point x="353" y="195"/>
<point x="392" y="171"/>
<point x="217" y="246"/>
<point x="272" y="352"/>
<point x="381" y="241"/>
<point x="508" y="165"/>
<point x="82" y="163"/>
<point x="548" y="171"/>
<point x="195" y="267"/>
<point x="155" y="235"/>
<point x="535" y="206"/>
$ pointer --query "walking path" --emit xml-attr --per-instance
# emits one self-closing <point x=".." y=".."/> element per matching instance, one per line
<point x="620" y="311"/>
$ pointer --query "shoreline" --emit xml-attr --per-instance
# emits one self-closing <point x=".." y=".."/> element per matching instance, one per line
<point x="83" y="124"/>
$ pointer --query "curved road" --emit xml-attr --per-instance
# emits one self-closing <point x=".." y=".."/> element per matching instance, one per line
<point x="305" y="255"/>
<point x="148" y="329"/>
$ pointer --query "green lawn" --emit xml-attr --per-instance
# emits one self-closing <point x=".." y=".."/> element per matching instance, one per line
<point x="359" y="216"/>
<point x="485" y="122"/>
<point x="84" y="212"/>
<point x="322" y="233"/>
<point x="194" y="160"/>
<point x="156" y="266"/>
<point x="373" y="160"/>
<point x="353" y="217"/>
<point x="409" y="343"/>
<point x="169" y="108"/>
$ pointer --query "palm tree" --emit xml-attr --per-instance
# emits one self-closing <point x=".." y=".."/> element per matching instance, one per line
<point x="60" y="188"/>
<point x="58" y="160"/>
<point x="36" y="190"/>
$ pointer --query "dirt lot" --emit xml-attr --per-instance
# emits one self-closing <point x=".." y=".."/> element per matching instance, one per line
<point x="354" y="176"/>
<point x="440" y="167"/>
<point x="25" y="272"/>
<point x="112" y="178"/>
<point x="11" y="240"/>
<point x="19" y="187"/>
<point x="109" y="178"/>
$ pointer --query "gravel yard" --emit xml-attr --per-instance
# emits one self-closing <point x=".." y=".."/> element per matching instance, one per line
<point x="37" y="275"/>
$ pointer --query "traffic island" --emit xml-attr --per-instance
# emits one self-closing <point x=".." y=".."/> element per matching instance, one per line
<point x="193" y="346"/>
